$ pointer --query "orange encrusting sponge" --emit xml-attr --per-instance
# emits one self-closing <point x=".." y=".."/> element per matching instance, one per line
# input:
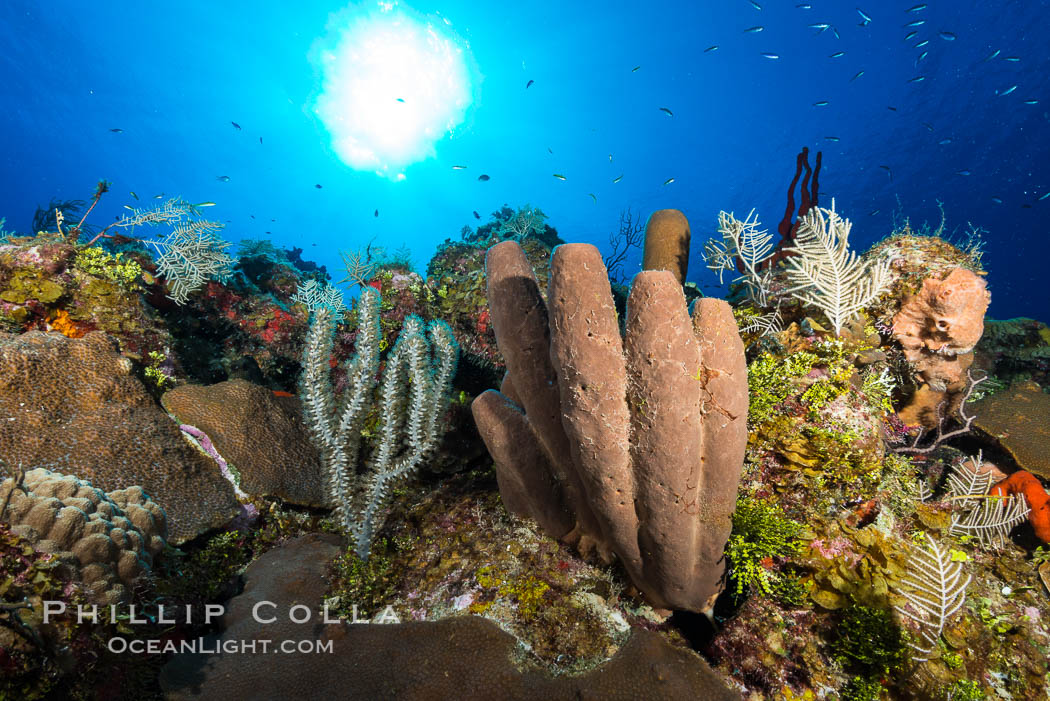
<point x="1023" y="482"/>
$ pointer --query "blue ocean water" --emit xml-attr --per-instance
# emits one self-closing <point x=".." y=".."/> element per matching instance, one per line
<point x="912" y="104"/>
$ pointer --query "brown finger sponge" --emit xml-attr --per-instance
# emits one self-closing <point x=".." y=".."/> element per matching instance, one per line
<point x="667" y="243"/>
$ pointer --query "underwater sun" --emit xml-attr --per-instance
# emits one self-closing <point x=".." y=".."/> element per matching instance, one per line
<point x="393" y="82"/>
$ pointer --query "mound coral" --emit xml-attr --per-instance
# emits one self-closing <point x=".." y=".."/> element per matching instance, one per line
<point x="631" y="446"/>
<point x="108" y="541"/>
<point x="75" y="406"/>
<point x="261" y="434"/>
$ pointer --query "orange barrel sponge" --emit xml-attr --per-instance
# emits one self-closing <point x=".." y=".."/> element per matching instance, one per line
<point x="667" y="243"/>
<point x="1024" y="482"/>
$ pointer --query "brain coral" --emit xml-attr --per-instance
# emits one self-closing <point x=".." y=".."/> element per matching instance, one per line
<point x="107" y="541"/>
<point x="260" y="434"/>
<point x="74" y="406"/>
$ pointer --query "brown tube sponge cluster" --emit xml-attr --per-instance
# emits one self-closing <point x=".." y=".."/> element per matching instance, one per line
<point x="631" y="446"/>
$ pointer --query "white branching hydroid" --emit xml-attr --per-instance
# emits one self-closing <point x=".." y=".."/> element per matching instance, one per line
<point x="975" y="513"/>
<point x="826" y="274"/>
<point x="742" y="241"/>
<point x="935" y="589"/>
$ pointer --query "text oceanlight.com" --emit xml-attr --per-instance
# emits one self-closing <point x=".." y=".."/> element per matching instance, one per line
<point x="207" y="646"/>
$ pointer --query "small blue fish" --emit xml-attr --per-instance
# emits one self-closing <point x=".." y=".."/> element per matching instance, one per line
<point x="636" y="69"/>
<point x="117" y="130"/>
<point x="832" y="138"/>
<point x="923" y="55"/>
<point x="753" y="30"/>
<point x="476" y="215"/>
<point x="709" y="49"/>
<point x="1008" y="90"/>
<point x="929" y="127"/>
<point x="911" y="34"/>
<point x="863" y="16"/>
<point x="236" y="126"/>
<point x="559" y="176"/>
<point x="1012" y="59"/>
<point x="223" y="178"/>
<point x="617" y="179"/>
<point x="888" y="171"/>
<point x="917" y="8"/>
<point x="668" y="181"/>
<point x="804" y="6"/>
<point x="401" y="100"/>
<point x="771" y="56"/>
<point x="922" y="43"/>
<point x="822" y="103"/>
<point x="917" y="79"/>
<point x="944" y="142"/>
<point x="666" y="111"/>
<point x="992" y="55"/>
<point x="873" y="212"/>
<point x="1047" y="194"/>
<point x="484" y="177"/>
<point x="593" y="197"/>
<point x="529" y="84"/>
<point x="318" y="186"/>
<point x="962" y="172"/>
<point x="755" y="4"/>
<point x="820" y="25"/>
<point x="837" y="54"/>
<point x="916" y="23"/>
<point x="459" y="167"/>
<point x="947" y="36"/>
<point x="997" y="200"/>
<point x="1031" y="102"/>
<point x="859" y="74"/>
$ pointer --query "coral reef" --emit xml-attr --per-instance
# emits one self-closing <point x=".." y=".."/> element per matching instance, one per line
<point x="621" y="413"/>
<point x="74" y="406"/>
<point x="107" y="540"/>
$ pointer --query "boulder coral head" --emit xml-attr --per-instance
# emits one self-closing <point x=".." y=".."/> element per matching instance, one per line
<point x="108" y="541"/>
<point x="629" y="446"/>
